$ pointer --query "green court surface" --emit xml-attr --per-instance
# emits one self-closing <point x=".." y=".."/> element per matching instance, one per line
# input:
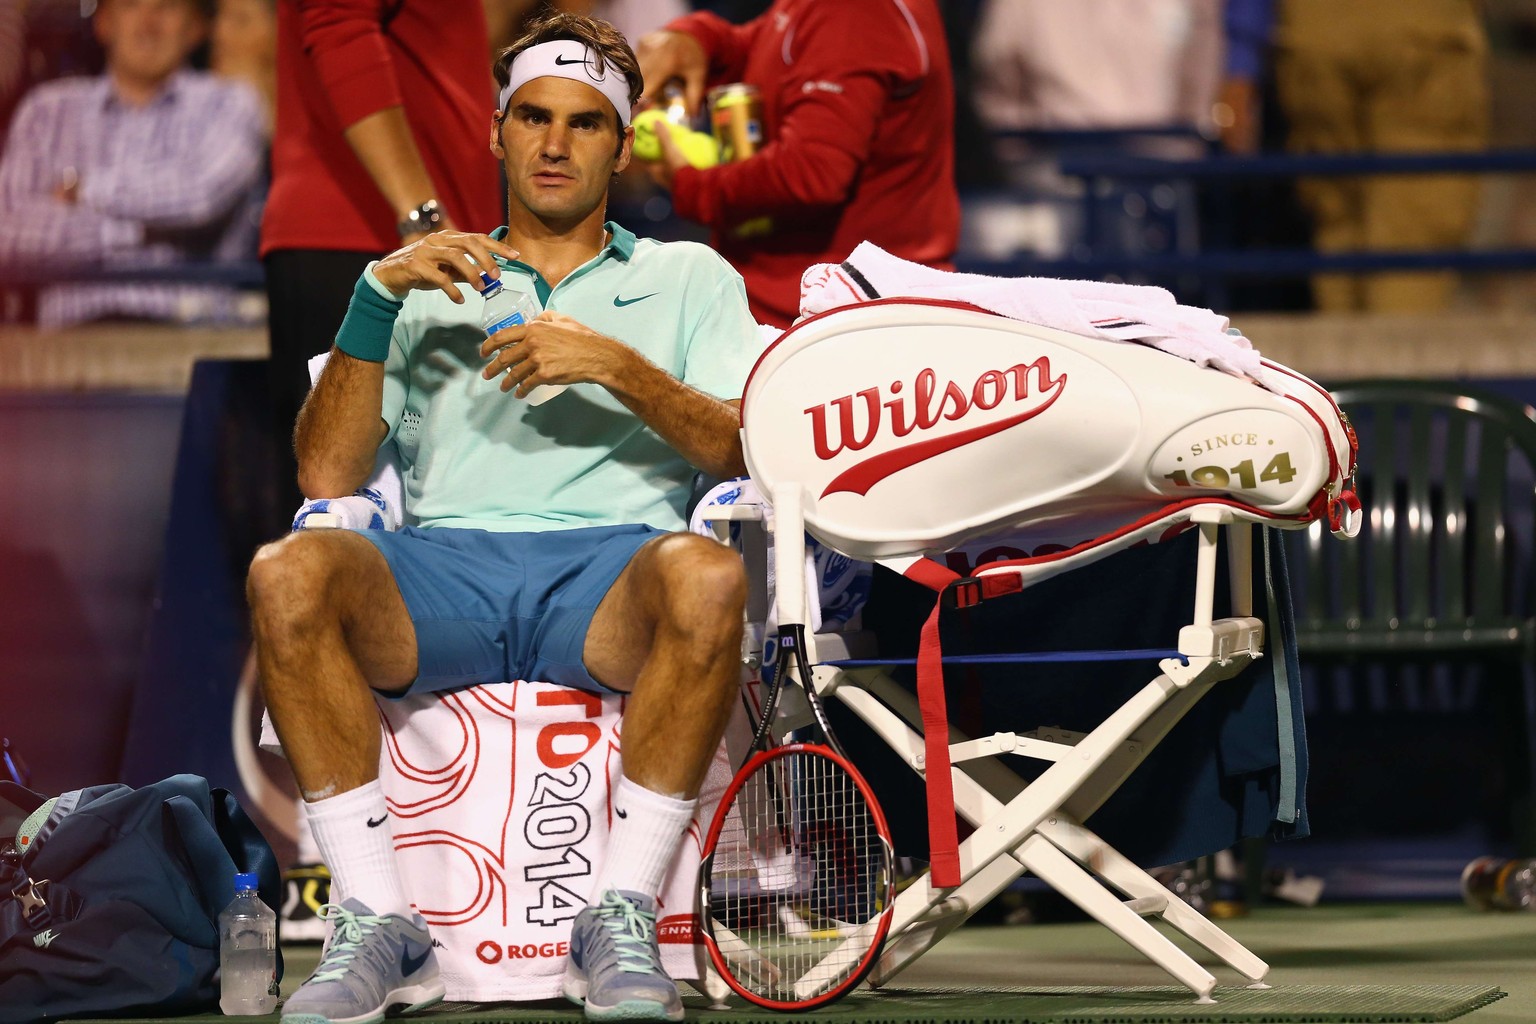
<point x="1336" y="963"/>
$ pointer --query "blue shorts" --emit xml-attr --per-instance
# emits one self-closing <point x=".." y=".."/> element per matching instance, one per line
<point x="492" y="607"/>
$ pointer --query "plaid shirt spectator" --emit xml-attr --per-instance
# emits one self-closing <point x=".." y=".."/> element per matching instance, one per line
<point x="173" y="181"/>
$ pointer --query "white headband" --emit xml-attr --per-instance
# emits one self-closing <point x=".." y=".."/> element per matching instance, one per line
<point x="568" y="58"/>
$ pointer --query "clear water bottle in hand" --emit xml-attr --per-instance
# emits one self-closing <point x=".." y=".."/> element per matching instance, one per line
<point x="506" y="308"/>
<point x="247" y="952"/>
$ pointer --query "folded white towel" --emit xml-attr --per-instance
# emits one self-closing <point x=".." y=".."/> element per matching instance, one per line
<point x="836" y="586"/>
<point x="1115" y="312"/>
<point x="365" y="509"/>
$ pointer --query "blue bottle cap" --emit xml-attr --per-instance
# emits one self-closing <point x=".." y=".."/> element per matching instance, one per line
<point x="491" y="284"/>
<point x="245" y="880"/>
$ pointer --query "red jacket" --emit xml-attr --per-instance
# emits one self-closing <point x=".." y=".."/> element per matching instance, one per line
<point x="339" y="61"/>
<point x="858" y="119"/>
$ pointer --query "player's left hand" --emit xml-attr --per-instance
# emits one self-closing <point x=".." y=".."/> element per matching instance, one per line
<point x="552" y="348"/>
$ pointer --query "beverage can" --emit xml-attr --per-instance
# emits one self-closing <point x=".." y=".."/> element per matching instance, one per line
<point x="736" y="118"/>
<point x="675" y="102"/>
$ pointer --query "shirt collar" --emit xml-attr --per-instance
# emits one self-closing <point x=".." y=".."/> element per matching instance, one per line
<point x="621" y="241"/>
<point x="168" y="91"/>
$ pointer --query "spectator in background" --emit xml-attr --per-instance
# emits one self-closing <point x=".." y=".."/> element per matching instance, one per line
<point x="381" y="112"/>
<point x="147" y="165"/>
<point x="633" y="18"/>
<point x="1385" y="76"/>
<point x="1148" y="70"/>
<point x="1110" y="64"/>
<point x="243" y="45"/>
<point x="1246" y="29"/>
<point x="858" y="129"/>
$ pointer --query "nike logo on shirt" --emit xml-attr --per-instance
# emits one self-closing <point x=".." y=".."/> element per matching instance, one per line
<point x="630" y="302"/>
<point x="382" y="820"/>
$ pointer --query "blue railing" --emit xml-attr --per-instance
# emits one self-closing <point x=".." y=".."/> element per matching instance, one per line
<point x="1104" y="173"/>
<point x="245" y="274"/>
<point x="1089" y="157"/>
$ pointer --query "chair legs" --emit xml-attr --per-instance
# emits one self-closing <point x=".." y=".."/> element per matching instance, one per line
<point x="1035" y="827"/>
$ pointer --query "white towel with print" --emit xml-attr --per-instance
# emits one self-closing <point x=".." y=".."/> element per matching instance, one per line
<point x="836" y="586"/>
<point x="1114" y="312"/>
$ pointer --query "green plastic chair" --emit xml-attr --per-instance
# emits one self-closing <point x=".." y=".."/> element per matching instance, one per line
<point x="1443" y="568"/>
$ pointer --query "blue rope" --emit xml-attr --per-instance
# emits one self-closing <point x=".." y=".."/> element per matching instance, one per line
<point x="1033" y="656"/>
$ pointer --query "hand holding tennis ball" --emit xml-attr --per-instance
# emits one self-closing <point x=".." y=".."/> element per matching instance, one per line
<point x="698" y="149"/>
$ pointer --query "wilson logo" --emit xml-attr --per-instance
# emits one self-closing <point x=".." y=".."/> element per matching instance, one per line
<point x="861" y="417"/>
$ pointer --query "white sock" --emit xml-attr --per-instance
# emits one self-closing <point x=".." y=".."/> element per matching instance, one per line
<point x="352" y="830"/>
<point x="308" y="852"/>
<point x="647" y="830"/>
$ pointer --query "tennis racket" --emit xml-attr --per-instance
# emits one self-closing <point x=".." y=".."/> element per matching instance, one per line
<point x="798" y="872"/>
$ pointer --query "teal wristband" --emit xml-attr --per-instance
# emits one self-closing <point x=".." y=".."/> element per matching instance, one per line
<point x="369" y="324"/>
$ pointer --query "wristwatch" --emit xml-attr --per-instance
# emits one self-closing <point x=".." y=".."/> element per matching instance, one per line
<point x="424" y="218"/>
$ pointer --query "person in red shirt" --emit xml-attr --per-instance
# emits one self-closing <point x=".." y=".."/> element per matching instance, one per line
<point x="380" y="137"/>
<point x="858" y="126"/>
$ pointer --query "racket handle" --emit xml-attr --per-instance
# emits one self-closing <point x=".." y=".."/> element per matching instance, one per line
<point x="789" y="554"/>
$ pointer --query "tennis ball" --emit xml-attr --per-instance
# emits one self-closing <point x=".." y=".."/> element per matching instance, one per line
<point x="647" y="145"/>
<point x="699" y="149"/>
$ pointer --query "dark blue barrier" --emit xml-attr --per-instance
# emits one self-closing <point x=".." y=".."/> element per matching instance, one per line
<point x="198" y="634"/>
<point x="248" y="275"/>
<point x="1251" y="263"/>
<point x="1103" y="173"/>
<point x="1091" y="166"/>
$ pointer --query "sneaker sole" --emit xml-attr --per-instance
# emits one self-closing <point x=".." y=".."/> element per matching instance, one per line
<point x="412" y="998"/>
<point x="575" y="989"/>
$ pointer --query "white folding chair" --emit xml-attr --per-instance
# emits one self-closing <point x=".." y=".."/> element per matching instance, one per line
<point x="897" y="430"/>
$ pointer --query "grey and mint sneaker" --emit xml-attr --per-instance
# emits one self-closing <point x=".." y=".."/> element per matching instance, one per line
<point x="374" y="963"/>
<point x="615" y="967"/>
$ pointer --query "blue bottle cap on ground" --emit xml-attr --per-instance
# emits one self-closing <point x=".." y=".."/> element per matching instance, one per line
<point x="245" y="880"/>
<point x="491" y="283"/>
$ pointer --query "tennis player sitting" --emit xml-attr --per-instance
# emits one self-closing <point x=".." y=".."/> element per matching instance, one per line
<point x="547" y="539"/>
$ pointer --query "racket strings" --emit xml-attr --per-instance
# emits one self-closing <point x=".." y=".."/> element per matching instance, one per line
<point x="801" y="871"/>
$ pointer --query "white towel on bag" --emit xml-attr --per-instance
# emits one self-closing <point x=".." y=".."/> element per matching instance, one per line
<point x="1114" y="312"/>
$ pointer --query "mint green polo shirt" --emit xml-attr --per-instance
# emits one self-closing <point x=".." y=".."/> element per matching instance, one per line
<point x="476" y="458"/>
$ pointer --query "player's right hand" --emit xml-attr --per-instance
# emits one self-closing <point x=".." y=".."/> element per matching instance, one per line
<point x="441" y="260"/>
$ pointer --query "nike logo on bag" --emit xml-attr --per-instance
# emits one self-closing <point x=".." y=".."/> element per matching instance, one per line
<point x="409" y="965"/>
<point x="563" y="61"/>
<point x="630" y="302"/>
<point x="42" y="940"/>
<point x="376" y="824"/>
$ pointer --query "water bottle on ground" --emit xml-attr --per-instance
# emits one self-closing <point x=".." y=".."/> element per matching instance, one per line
<point x="1496" y="883"/>
<point x="247" y="952"/>
<point x="506" y="308"/>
